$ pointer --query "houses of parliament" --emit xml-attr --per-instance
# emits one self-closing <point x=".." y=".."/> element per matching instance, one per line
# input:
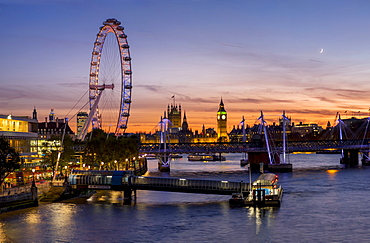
<point x="179" y="131"/>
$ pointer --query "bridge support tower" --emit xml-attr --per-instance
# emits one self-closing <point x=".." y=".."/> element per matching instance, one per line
<point x="127" y="196"/>
<point x="350" y="157"/>
<point x="164" y="163"/>
<point x="256" y="158"/>
<point x="365" y="158"/>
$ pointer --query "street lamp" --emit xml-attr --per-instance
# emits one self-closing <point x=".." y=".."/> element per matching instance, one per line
<point x="65" y="175"/>
<point x="33" y="178"/>
<point x="102" y="164"/>
<point x="115" y="164"/>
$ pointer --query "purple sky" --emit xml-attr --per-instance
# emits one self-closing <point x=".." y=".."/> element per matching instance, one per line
<point x="256" y="55"/>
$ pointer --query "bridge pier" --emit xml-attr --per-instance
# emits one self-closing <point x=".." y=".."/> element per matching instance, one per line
<point x="127" y="196"/>
<point x="256" y="158"/>
<point x="365" y="158"/>
<point x="164" y="163"/>
<point x="350" y="157"/>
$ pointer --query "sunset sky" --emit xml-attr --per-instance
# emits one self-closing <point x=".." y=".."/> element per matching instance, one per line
<point x="310" y="58"/>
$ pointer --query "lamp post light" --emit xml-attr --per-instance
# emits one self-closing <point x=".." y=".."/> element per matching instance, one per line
<point x="65" y="174"/>
<point x="34" y="190"/>
<point x="83" y="166"/>
<point x="101" y="166"/>
<point x="33" y="178"/>
<point x="115" y="164"/>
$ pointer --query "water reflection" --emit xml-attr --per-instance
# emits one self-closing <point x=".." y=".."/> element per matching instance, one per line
<point x="3" y="236"/>
<point x="263" y="216"/>
<point x="115" y="197"/>
<point x="32" y="218"/>
<point x="315" y="209"/>
<point x="61" y="215"/>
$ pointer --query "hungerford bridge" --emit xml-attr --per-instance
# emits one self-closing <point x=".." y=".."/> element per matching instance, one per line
<point x="247" y="147"/>
<point x="349" y="149"/>
<point x="258" y="149"/>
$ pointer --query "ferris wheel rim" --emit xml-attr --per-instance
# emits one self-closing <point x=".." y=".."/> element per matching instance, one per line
<point x="95" y="88"/>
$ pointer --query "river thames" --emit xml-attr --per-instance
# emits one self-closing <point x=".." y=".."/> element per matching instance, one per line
<point x="322" y="203"/>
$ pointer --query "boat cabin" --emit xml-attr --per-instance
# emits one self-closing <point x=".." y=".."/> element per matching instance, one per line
<point x="266" y="182"/>
<point x="267" y="179"/>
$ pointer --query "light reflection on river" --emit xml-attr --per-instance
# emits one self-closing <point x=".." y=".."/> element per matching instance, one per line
<point x="322" y="203"/>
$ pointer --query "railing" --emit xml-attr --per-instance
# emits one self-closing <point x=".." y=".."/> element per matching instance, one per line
<point x="22" y="192"/>
<point x="189" y="183"/>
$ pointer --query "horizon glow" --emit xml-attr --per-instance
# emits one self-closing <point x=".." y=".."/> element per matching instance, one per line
<point x="255" y="55"/>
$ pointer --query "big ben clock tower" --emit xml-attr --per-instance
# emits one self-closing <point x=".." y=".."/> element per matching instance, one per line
<point x="222" y="123"/>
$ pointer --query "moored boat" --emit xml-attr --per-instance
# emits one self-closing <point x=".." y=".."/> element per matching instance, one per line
<point x="206" y="157"/>
<point x="264" y="192"/>
<point x="244" y="162"/>
<point x="176" y="156"/>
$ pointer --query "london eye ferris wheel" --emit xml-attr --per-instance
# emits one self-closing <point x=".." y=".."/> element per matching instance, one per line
<point x="110" y="80"/>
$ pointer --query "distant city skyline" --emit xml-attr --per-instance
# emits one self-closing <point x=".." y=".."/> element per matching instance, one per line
<point x="309" y="58"/>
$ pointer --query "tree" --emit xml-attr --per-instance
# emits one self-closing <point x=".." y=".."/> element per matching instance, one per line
<point x="9" y="159"/>
<point x="111" y="150"/>
<point x="52" y="147"/>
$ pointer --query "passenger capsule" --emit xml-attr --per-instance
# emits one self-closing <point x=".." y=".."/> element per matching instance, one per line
<point x="127" y="59"/>
<point x="127" y="101"/>
<point x="128" y="72"/>
<point x="123" y="35"/>
<point x="125" y="114"/>
<point x="111" y="20"/>
<point x="128" y="86"/>
<point x="95" y="53"/>
<point x="117" y="23"/>
<point x="120" y="27"/>
<point x="125" y="46"/>
<point x="123" y="126"/>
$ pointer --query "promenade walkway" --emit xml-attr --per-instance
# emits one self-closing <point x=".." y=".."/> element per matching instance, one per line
<point x="23" y="192"/>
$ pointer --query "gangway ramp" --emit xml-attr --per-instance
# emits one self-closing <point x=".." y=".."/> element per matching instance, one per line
<point x="124" y="180"/>
<point x="188" y="185"/>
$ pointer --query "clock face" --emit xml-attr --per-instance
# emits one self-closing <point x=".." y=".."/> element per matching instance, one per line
<point x="223" y="117"/>
<point x="218" y="117"/>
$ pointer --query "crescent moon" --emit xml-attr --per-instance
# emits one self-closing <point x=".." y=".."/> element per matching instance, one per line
<point x="321" y="51"/>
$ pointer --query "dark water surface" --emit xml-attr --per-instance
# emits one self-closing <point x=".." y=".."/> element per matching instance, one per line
<point x="321" y="203"/>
